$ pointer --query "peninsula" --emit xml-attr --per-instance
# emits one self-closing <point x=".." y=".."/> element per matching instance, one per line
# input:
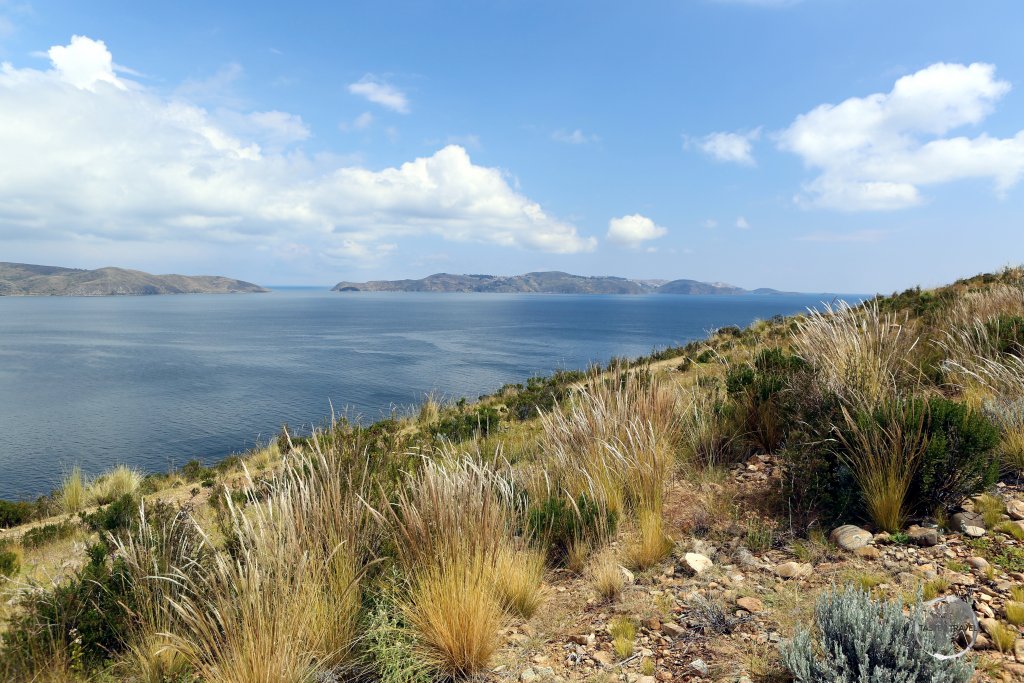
<point x="22" y="279"/>
<point x="548" y="282"/>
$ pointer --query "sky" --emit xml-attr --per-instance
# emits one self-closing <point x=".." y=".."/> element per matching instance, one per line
<point x="815" y="145"/>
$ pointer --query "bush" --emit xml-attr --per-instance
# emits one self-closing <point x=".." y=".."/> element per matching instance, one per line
<point x="761" y="407"/>
<point x="14" y="513"/>
<point x="1007" y="334"/>
<point x="10" y="564"/>
<point x="49" y="533"/>
<point x="462" y="426"/>
<point x="960" y="459"/>
<point x="118" y="516"/>
<point x="863" y="639"/>
<point x="194" y="470"/>
<point x="562" y="523"/>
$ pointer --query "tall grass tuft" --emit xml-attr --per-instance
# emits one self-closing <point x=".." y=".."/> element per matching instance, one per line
<point x="883" y="449"/>
<point x="652" y="544"/>
<point x="606" y="577"/>
<point x="115" y="484"/>
<point x="73" y="492"/>
<point x="861" y="353"/>
<point x="517" y="576"/>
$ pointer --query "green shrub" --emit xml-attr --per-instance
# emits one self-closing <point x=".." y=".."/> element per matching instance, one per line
<point x="194" y="470"/>
<point x="115" y="517"/>
<point x="14" y="513"/>
<point x="560" y="523"/>
<point x="9" y="562"/>
<point x="762" y="410"/>
<point x="960" y="460"/>
<point x="861" y="639"/>
<point x="48" y="533"/>
<point x="1007" y="334"/>
<point x="462" y="426"/>
<point x="706" y="356"/>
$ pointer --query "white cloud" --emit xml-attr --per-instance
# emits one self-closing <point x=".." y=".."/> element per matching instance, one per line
<point x="736" y="148"/>
<point x="742" y="223"/>
<point x="380" y="92"/>
<point x="633" y="229"/>
<point x="575" y="137"/>
<point x="133" y="165"/>
<point x="876" y="152"/>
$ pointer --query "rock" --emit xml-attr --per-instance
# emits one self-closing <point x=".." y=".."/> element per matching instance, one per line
<point x="603" y="658"/>
<point x="850" y="537"/>
<point x="700" y="666"/>
<point x="627" y="576"/>
<point x="988" y="625"/>
<point x="697" y="563"/>
<point x="745" y="559"/>
<point x="528" y="676"/>
<point x="653" y="624"/>
<point x="752" y="605"/>
<point x="589" y="640"/>
<point x="960" y="579"/>
<point x="673" y="629"/>
<point x="792" y="570"/>
<point x="923" y="536"/>
<point x="647" y="679"/>
<point x="664" y="675"/>
<point x="979" y="563"/>
<point x="1018" y="650"/>
<point x="974" y="531"/>
<point x="1015" y="508"/>
<point x="867" y="552"/>
<point x="965" y="519"/>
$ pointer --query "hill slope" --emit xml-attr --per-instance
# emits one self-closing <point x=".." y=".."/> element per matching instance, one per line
<point x="550" y="282"/>
<point x="22" y="279"/>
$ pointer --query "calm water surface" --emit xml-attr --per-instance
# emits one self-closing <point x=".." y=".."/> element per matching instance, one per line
<point x="155" y="381"/>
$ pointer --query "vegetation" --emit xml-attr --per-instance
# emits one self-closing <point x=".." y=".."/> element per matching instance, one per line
<point x="404" y="550"/>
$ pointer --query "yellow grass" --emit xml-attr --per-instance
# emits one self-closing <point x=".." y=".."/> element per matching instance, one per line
<point x="120" y="481"/>
<point x="517" y="575"/>
<point x="73" y="495"/>
<point x="652" y="544"/>
<point x="606" y="577"/>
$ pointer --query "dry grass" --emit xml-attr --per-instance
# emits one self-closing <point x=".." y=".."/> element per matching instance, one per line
<point x="862" y="354"/>
<point x="73" y="494"/>
<point x="991" y="509"/>
<point x="517" y="576"/>
<point x="606" y="576"/>
<point x="705" y="438"/>
<point x="1003" y="637"/>
<point x="883" y="455"/>
<point x="652" y="544"/>
<point x="120" y="481"/>
<point x="933" y="588"/>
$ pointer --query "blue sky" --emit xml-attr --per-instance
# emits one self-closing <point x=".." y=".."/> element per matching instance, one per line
<point x="834" y="145"/>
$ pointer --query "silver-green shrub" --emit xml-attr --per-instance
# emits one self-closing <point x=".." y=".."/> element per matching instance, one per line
<point x="861" y="640"/>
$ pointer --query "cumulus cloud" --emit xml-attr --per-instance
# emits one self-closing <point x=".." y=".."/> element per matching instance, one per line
<point x="876" y="152"/>
<point x="132" y="164"/>
<point x="633" y="229"/>
<point x="379" y="92"/>
<point x="742" y="223"/>
<point x="736" y="148"/>
<point x="575" y="137"/>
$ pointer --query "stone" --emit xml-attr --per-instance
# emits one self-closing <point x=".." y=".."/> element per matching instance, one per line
<point x="979" y="563"/>
<point x="673" y="629"/>
<point x="653" y="624"/>
<point x="867" y="552"/>
<point x="627" y="576"/>
<point x="745" y="559"/>
<point x="974" y="531"/>
<point x="1015" y="508"/>
<point x="647" y="679"/>
<point x="664" y="675"/>
<point x="528" y="676"/>
<point x="752" y="605"/>
<point x="923" y="536"/>
<point x="697" y="563"/>
<point x="603" y="658"/>
<point x="700" y="666"/>
<point x="1018" y="650"/>
<point x="589" y="639"/>
<point x="850" y="537"/>
<point x="965" y="519"/>
<point x="792" y="570"/>
<point x="960" y="579"/>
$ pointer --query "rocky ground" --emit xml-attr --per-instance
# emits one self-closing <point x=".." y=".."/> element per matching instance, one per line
<point x="718" y="609"/>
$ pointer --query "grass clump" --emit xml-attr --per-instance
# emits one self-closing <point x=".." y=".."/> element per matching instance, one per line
<point x="73" y="493"/>
<point x="652" y="544"/>
<point x="606" y="577"/>
<point x="1003" y="636"/>
<point x="119" y="482"/>
<point x="1015" y="612"/>
<point x="517" y="577"/>
<point x="933" y="588"/>
<point x="623" y="633"/>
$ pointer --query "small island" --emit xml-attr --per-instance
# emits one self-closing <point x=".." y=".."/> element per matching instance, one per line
<point x="23" y="279"/>
<point x="549" y="282"/>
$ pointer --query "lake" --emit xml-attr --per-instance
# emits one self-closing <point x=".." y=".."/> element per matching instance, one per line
<point x="155" y="381"/>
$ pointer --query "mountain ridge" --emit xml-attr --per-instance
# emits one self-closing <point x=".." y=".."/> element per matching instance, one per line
<point x="547" y="282"/>
<point x="25" y="279"/>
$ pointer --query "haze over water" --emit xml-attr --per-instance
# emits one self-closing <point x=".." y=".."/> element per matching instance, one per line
<point x="155" y="381"/>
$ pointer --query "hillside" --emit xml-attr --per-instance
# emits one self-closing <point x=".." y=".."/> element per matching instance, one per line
<point x="686" y="516"/>
<point x="551" y="282"/>
<point x="21" y="279"/>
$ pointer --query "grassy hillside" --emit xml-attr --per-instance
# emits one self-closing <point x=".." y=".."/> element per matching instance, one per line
<point x="721" y="511"/>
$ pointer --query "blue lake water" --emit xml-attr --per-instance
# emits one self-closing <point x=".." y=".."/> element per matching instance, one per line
<point x="155" y="381"/>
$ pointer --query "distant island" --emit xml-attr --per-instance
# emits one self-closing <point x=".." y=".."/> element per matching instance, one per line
<point x="22" y="279"/>
<point x="550" y="282"/>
